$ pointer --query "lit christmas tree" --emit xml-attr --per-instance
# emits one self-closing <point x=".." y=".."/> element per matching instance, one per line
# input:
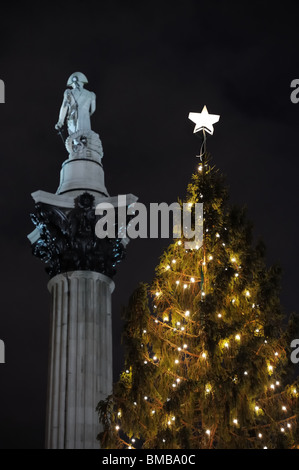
<point x="207" y="360"/>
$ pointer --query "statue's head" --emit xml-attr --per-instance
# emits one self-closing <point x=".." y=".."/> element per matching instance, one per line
<point x="77" y="79"/>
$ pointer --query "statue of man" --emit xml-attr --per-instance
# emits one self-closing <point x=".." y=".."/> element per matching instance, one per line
<point x="78" y="105"/>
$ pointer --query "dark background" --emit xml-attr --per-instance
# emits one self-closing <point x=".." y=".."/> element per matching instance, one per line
<point x="149" y="63"/>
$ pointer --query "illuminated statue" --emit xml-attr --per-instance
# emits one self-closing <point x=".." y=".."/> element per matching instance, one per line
<point x="78" y="105"/>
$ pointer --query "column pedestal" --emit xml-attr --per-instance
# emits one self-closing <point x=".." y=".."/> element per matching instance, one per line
<point x="80" y="361"/>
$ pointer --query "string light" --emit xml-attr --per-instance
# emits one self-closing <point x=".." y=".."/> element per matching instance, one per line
<point x="233" y="260"/>
<point x="276" y="354"/>
<point x="219" y="315"/>
<point x="185" y="346"/>
<point x="155" y="358"/>
<point x="245" y="373"/>
<point x="260" y="435"/>
<point x="185" y="286"/>
<point x="144" y="331"/>
<point x="233" y="301"/>
<point x="203" y="294"/>
<point x="153" y="412"/>
<point x="217" y="235"/>
<point x="210" y="258"/>
<point x="247" y="293"/>
<point x="177" y="282"/>
<point x="133" y="440"/>
<point x="179" y="242"/>
<point x="235" y="421"/>
<point x="277" y="383"/>
<point x="289" y="425"/>
<point x="145" y="362"/>
<point x="284" y="408"/>
<point x="145" y="398"/>
<point x="117" y="428"/>
<point x="192" y="279"/>
<point x="165" y="319"/>
<point x="158" y="293"/>
<point x="200" y="168"/>
<point x="204" y="355"/>
<point x="282" y="429"/>
<point x="187" y="313"/>
<point x="236" y="275"/>
<point x="173" y="261"/>
<point x="226" y="344"/>
<point x="167" y="267"/>
<point x="176" y="361"/>
<point x="238" y="337"/>
<point x="256" y="408"/>
<point x="208" y="432"/>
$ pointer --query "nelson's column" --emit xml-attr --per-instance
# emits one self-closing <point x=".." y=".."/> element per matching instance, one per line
<point x="81" y="267"/>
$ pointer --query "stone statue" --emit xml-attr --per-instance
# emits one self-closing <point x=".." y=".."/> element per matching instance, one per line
<point x="77" y="106"/>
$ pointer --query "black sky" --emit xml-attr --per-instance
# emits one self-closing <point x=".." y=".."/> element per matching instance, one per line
<point x="149" y="63"/>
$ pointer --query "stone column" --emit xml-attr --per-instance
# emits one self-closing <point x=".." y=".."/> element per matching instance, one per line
<point x="80" y="360"/>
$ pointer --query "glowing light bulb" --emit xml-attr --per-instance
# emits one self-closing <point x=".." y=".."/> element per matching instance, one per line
<point x="203" y="294"/>
<point x="185" y="346"/>
<point x="236" y="275"/>
<point x="208" y="432"/>
<point x="133" y="440"/>
<point x="233" y="301"/>
<point x="145" y="398"/>
<point x="163" y="440"/>
<point x="156" y="321"/>
<point x="176" y="361"/>
<point x="179" y="242"/>
<point x="272" y="386"/>
<point x="284" y="408"/>
<point x="192" y="279"/>
<point x="289" y="425"/>
<point x="155" y="358"/>
<point x="282" y="429"/>
<point x="270" y="368"/>
<point x="237" y="337"/>
<point x="204" y="355"/>
<point x="217" y="235"/>
<point x="179" y="349"/>
<point x="277" y="383"/>
<point x="173" y="261"/>
<point x="144" y="331"/>
<point x="210" y="258"/>
<point x="127" y="371"/>
<point x="174" y="385"/>
<point x="158" y="293"/>
<point x="178" y="380"/>
<point x="247" y="293"/>
<point x="276" y="354"/>
<point x="153" y="412"/>
<point x="260" y="435"/>
<point x="145" y="362"/>
<point x="185" y="286"/>
<point x="200" y="168"/>
<point x="187" y="313"/>
<point x="135" y="404"/>
<point x="169" y="423"/>
<point x="226" y="345"/>
<point x="265" y="447"/>
<point x="178" y="323"/>
<point x="256" y="408"/>
<point x="294" y="391"/>
<point x="233" y="260"/>
<point x="190" y="204"/>
<point x="129" y="447"/>
<point x="204" y="263"/>
<point x="253" y="305"/>
<point x="173" y="418"/>
<point x="245" y="373"/>
<point x="177" y="282"/>
<point x="167" y="267"/>
<point x="235" y="421"/>
<point x="165" y="319"/>
<point x="223" y="244"/>
<point x="117" y="428"/>
<point x="219" y="315"/>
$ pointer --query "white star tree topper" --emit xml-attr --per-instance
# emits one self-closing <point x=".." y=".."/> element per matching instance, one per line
<point x="204" y="121"/>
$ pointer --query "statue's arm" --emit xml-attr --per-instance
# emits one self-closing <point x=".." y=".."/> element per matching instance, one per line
<point x="63" y="110"/>
<point x="93" y="104"/>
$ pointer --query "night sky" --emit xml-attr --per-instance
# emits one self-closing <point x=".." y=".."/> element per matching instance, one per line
<point x="150" y="64"/>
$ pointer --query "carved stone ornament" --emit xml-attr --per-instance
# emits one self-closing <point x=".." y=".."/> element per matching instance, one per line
<point x="68" y="241"/>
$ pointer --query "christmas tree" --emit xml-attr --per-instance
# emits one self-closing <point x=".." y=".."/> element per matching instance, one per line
<point x="207" y="355"/>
